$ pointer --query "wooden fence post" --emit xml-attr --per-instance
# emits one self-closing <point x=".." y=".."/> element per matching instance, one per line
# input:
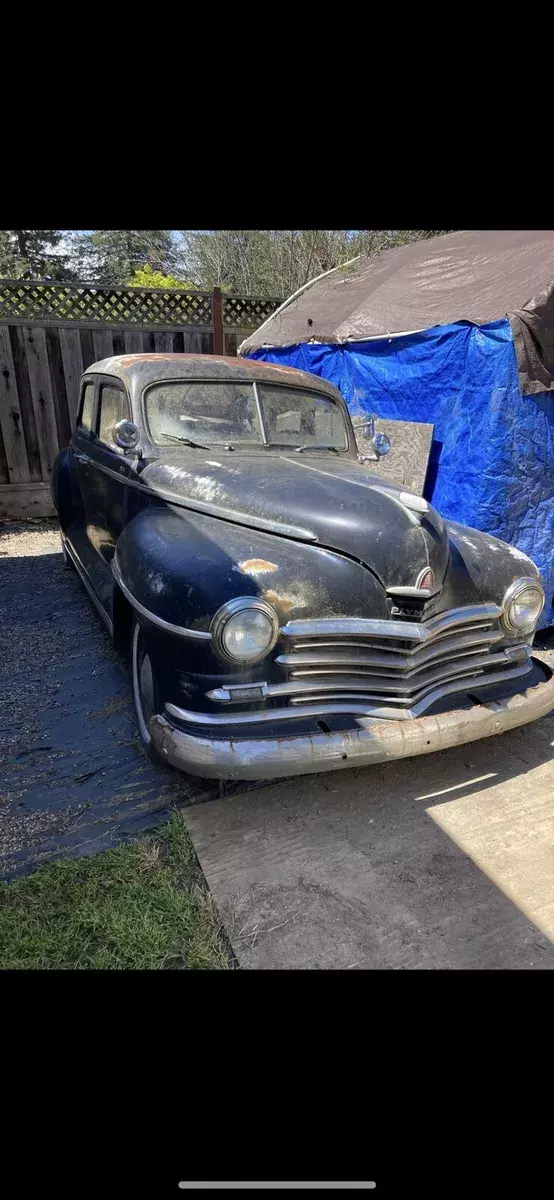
<point x="217" y="321"/>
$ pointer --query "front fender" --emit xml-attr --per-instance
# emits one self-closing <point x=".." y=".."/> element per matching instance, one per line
<point x="481" y="567"/>
<point x="183" y="566"/>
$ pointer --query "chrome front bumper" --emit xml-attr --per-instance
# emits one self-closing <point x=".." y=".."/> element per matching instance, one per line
<point x="371" y="742"/>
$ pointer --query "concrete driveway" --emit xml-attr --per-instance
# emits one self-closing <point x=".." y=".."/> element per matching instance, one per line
<point x="444" y="861"/>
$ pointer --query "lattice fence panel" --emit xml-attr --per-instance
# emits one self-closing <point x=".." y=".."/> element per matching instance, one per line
<point x="65" y="302"/>
<point x="247" y="312"/>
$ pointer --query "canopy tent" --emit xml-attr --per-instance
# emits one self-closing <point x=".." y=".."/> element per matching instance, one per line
<point x="457" y="331"/>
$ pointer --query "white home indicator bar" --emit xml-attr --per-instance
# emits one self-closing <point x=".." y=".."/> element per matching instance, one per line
<point x="190" y="1184"/>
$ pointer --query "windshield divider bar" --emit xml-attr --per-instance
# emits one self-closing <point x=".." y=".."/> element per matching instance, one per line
<point x="265" y="439"/>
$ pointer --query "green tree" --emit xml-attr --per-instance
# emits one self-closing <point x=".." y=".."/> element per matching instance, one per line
<point x="31" y="254"/>
<point x="146" y="277"/>
<point x="112" y="256"/>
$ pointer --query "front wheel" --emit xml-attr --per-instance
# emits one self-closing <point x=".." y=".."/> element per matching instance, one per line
<point x="145" y="690"/>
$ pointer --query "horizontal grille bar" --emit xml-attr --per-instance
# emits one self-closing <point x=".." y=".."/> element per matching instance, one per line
<point x="400" y="707"/>
<point x="360" y="706"/>
<point x="341" y="627"/>
<point x="416" y="660"/>
<point x="399" y="661"/>
<point x="377" y="685"/>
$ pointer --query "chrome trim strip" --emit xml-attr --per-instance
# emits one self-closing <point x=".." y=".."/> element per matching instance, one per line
<point x="461" y="616"/>
<point x="359" y="706"/>
<point x="378" y="683"/>
<point x="405" y="661"/>
<point x="399" y="630"/>
<point x="427" y="696"/>
<point x="370" y="742"/>
<point x="150" y="616"/>
<point x="410" y="592"/>
<point x="210" y="510"/>
<point x="87" y="584"/>
<point x="467" y="660"/>
<point x="355" y="627"/>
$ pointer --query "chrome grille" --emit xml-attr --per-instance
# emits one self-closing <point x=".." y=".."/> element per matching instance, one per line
<point x="396" y="663"/>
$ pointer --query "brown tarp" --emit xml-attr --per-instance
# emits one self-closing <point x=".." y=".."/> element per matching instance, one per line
<point x="533" y="334"/>
<point x="476" y="276"/>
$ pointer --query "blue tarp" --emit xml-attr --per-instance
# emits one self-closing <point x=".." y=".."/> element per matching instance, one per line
<point x="492" y="460"/>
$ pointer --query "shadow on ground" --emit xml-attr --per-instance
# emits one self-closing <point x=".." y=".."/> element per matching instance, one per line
<point x="73" y="776"/>
<point x="442" y="861"/>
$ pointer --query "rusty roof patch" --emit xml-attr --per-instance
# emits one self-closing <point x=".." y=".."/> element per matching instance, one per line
<point x="141" y="370"/>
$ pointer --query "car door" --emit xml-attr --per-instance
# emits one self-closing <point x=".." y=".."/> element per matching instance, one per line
<point x="107" y="493"/>
<point x="79" y="467"/>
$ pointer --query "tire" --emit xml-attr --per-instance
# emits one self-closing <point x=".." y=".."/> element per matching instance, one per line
<point x="145" y="691"/>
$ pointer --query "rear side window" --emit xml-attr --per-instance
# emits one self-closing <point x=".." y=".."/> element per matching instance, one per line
<point x="87" y="406"/>
<point x="114" y="407"/>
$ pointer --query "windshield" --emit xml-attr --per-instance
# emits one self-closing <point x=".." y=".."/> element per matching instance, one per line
<point x="227" y="414"/>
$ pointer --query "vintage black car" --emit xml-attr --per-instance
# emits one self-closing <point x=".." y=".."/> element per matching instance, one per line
<point x="287" y="609"/>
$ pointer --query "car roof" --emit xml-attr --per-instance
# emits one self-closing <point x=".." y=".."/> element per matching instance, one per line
<point x="137" y="371"/>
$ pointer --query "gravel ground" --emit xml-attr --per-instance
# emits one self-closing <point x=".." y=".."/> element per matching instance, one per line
<point x="73" y="776"/>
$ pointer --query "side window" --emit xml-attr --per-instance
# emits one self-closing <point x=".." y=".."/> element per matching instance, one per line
<point x="87" y="406"/>
<point x="114" y="407"/>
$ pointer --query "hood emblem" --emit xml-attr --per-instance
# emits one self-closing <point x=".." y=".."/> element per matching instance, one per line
<point x="425" y="579"/>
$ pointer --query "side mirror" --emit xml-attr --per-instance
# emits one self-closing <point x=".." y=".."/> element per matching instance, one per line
<point x="365" y="427"/>
<point x="126" y="435"/>
<point x="381" y="444"/>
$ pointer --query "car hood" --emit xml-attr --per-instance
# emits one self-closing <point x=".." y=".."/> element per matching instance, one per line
<point x="337" y="503"/>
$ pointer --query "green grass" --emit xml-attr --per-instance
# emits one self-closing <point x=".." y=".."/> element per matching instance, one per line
<point x="143" y="905"/>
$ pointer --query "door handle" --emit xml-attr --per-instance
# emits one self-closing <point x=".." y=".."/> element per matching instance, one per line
<point x="82" y="458"/>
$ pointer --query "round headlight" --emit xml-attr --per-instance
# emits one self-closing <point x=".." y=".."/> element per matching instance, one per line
<point x="523" y="604"/>
<point x="245" y="630"/>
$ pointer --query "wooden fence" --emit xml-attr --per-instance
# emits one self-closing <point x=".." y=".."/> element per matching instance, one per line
<point x="50" y="334"/>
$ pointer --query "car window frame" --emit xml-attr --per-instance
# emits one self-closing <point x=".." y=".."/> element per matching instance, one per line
<point x="80" y="429"/>
<point x="194" y="379"/>
<point x="263" y="444"/>
<point x="311" y="391"/>
<point x="117" y="385"/>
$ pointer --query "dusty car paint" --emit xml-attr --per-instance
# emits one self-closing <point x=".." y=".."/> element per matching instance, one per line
<point x="175" y="532"/>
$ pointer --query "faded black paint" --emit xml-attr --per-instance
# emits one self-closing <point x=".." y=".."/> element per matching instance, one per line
<point x="316" y="535"/>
